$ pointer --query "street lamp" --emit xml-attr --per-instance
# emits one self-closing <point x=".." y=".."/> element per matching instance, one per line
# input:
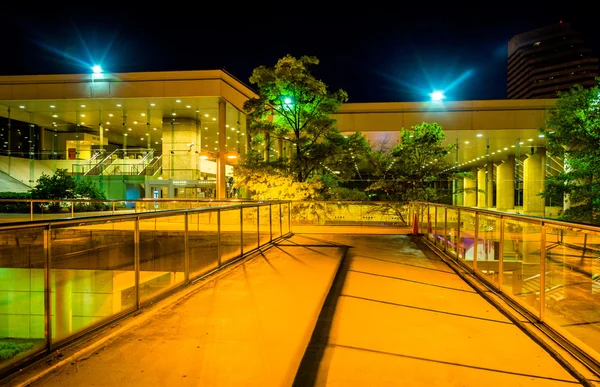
<point x="437" y="95"/>
<point x="97" y="69"/>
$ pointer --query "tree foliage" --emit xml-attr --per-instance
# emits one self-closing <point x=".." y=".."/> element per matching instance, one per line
<point x="60" y="185"/>
<point x="573" y="135"/>
<point x="296" y="108"/>
<point x="408" y="171"/>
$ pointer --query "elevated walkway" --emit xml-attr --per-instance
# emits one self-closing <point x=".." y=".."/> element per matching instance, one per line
<point x="315" y="309"/>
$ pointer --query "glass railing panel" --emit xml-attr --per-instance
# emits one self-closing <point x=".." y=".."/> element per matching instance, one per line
<point x="440" y="225"/>
<point x="521" y="262"/>
<point x="451" y="231"/>
<point x="92" y="208"/>
<point x="423" y="216"/>
<point x="466" y="244"/>
<point x="162" y="254"/>
<point x="203" y="248"/>
<point x="49" y="210"/>
<point x="285" y="217"/>
<point x="22" y="307"/>
<point x="264" y="226"/>
<point x="276" y="220"/>
<point x="488" y="248"/>
<point x="572" y="297"/>
<point x="92" y="274"/>
<point x="230" y="234"/>
<point x="14" y="211"/>
<point x="250" y="228"/>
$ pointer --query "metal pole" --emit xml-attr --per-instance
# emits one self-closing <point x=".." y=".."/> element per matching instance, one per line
<point x="47" y="288"/>
<point x="445" y="229"/>
<point x="136" y="261"/>
<point x="241" y="230"/>
<point x="270" y="222"/>
<point x="457" y="244"/>
<point x="31" y="210"/>
<point x="72" y="209"/>
<point x="280" y="221"/>
<point x="219" y="237"/>
<point x="186" y="254"/>
<point x="501" y="254"/>
<point x="476" y="239"/>
<point x="543" y="273"/>
<point x="258" y="224"/>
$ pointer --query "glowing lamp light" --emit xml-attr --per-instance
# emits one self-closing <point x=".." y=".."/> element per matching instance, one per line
<point x="96" y="69"/>
<point x="287" y="101"/>
<point x="437" y="95"/>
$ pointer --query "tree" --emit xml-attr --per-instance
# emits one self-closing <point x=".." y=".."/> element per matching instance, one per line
<point x="573" y="135"/>
<point x="408" y="172"/>
<point x="296" y="108"/>
<point x="61" y="186"/>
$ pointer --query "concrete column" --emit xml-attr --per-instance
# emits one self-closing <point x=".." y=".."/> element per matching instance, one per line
<point x="481" y="186"/>
<point x="63" y="304"/>
<point x="534" y="174"/>
<point x="181" y="160"/>
<point x="470" y="198"/>
<point x="505" y="185"/>
<point x="222" y="159"/>
<point x="489" y="191"/>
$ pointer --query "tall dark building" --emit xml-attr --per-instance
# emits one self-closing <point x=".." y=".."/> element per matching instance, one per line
<point x="546" y="60"/>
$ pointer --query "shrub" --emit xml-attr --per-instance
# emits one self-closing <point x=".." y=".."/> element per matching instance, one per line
<point x="8" y="349"/>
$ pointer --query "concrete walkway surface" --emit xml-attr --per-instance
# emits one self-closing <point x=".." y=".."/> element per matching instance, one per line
<point x="392" y="316"/>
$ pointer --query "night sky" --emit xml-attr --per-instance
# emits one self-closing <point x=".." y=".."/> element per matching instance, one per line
<point x="374" y="53"/>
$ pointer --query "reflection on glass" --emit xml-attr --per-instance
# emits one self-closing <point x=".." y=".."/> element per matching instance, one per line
<point x="451" y="231"/>
<point x="521" y="262"/>
<point x="162" y="254"/>
<point x="488" y="249"/>
<point x="203" y="249"/>
<point x="466" y="245"/>
<point x="21" y="294"/>
<point x="250" y="228"/>
<point x="264" y="225"/>
<point x="230" y="235"/>
<point x="92" y="276"/>
<point x="276" y="220"/>
<point x="573" y="283"/>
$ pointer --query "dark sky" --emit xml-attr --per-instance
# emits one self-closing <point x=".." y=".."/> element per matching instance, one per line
<point x="376" y="53"/>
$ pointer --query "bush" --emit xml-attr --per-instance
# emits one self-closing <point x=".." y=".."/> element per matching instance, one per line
<point x="8" y="349"/>
<point x="15" y="207"/>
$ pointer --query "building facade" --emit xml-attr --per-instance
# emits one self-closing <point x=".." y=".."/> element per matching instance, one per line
<point x="178" y="134"/>
<point x="547" y="60"/>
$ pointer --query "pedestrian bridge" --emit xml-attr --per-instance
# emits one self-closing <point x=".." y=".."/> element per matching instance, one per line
<point x="247" y="294"/>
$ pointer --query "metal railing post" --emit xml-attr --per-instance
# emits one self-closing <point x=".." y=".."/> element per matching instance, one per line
<point x="543" y="273"/>
<point x="289" y="207"/>
<point x="457" y="244"/>
<point x="136" y="261"/>
<point x="48" y="287"/>
<point x="445" y="229"/>
<point x="270" y="222"/>
<point x="476" y="239"/>
<point x="501" y="254"/>
<point x="241" y="230"/>
<point x="113" y="208"/>
<point x="280" y="220"/>
<point x="72" y="209"/>
<point x="186" y="254"/>
<point x="31" y="210"/>
<point x="219" y="238"/>
<point x="258" y="225"/>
